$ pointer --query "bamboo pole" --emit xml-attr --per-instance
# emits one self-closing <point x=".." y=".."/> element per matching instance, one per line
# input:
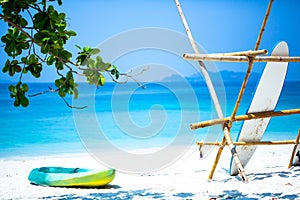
<point x="202" y="65"/>
<point x="234" y="154"/>
<point x="219" y="153"/>
<point x="242" y="90"/>
<point x="262" y="28"/>
<point x="210" y="88"/>
<point x="242" y="53"/>
<point x="249" y="143"/>
<point x="294" y="150"/>
<point x="225" y="58"/>
<point x="248" y="116"/>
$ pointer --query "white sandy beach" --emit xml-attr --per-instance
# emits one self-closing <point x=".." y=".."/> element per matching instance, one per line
<point x="267" y="172"/>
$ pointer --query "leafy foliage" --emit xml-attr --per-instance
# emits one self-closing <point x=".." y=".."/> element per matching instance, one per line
<point x="18" y="92"/>
<point x="37" y="36"/>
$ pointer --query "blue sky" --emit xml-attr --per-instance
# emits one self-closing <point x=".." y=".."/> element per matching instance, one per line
<point x="218" y="26"/>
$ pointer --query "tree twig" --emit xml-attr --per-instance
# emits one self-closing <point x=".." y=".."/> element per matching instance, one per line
<point x="44" y="92"/>
<point x="80" y="108"/>
<point x="53" y="91"/>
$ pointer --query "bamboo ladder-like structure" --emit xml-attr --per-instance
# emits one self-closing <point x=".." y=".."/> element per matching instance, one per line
<point x="243" y="56"/>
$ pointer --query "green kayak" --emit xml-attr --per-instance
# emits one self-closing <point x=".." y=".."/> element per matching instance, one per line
<point x="71" y="177"/>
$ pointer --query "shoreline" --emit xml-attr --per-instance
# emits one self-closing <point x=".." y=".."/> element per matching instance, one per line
<point x="77" y="147"/>
<point x="187" y="179"/>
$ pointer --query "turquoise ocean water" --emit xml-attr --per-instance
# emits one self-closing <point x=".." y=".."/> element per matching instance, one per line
<point x="47" y="126"/>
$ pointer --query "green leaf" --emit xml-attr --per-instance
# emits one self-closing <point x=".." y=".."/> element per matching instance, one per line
<point x="18" y="93"/>
<point x="18" y="85"/>
<point x="91" y="63"/>
<point x="25" y="70"/>
<point x="41" y="20"/>
<point x="99" y="59"/>
<point x="101" y="80"/>
<point x="14" y="62"/>
<point x="34" y="66"/>
<point x="24" y="45"/>
<point x="11" y="71"/>
<point x="15" y="32"/>
<point x="95" y="51"/>
<point x="66" y="55"/>
<point x="44" y="3"/>
<point x="17" y="102"/>
<point x="71" y="33"/>
<point x="110" y="66"/>
<point x="38" y="38"/>
<point x="87" y="49"/>
<point x="51" y="60"/>
<point x="59" y="82"/>
<point x="23" y="22"/>
<point x="25" y="87"/>
<point x="81" y="60"/>
<point x="59" y="2"/>
<point x="77" y="46"/>
<point x="18" y="68"/>
<point x="6" y="66"/>
<point x="61" y="93"/>
<point x="59" y="65"/>
<point x="117" y="75"/>
<point x="62" y="16"/>
<point x="113" y="72"/>
<point x="23" y="100"/>
<point x="24" y="60"/>
<point x="70" y="78"/>
<point x="5" y="39"/>
<point x="75" y="93"/>
<point x="12" y="88"/>
<point x="45" y="46"/>
<point x="15" y="42"/>
<point x="32" y="59"/>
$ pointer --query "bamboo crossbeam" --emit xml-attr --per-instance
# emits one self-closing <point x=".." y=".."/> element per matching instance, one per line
<point x="248" y="116"/>
<point x="225" y="58"/>
<point x="242" y="53"/>
<point x="283" y="142"/>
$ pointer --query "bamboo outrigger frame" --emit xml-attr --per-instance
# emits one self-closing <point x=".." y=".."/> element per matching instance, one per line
<point x="250" y="56"/>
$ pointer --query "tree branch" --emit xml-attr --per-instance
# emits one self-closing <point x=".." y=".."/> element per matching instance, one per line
<point x="62" y="55"/>
<point x="17" y="27"/>
<point x="44" y="92"/>
<point x="33" y="40"/>
<point x="80" y="108"/>
<point x="53" y="91"/>
<point x="127" y="75"/>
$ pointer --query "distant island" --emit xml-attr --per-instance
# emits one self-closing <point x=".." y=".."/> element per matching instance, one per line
<point x="227" y="76"/>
